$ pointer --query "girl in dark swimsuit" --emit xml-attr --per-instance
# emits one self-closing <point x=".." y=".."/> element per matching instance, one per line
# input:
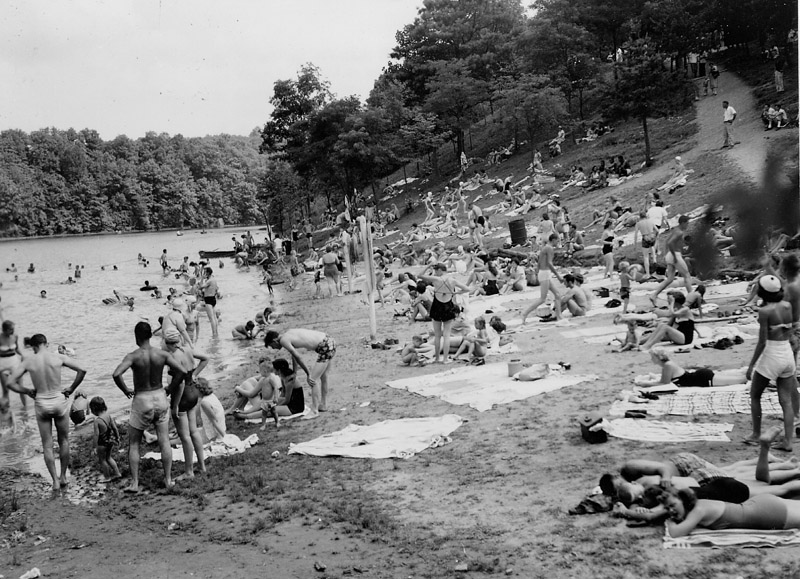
<point x="443" y="310"/>
<point x="680" y="327"/>
<point x="608" y="248"/>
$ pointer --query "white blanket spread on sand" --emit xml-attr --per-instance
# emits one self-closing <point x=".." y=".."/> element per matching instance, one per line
<point x="481" y="387"/>
<point x="697" y="401"/>
<point x="733" y="538"/>
<point x="388" y="439"/>
<point x="657" y="431"/>
<point x="229" y="444"/>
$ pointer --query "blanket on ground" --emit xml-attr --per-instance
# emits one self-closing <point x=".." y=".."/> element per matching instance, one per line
<point x="388" y="439"/>
<point x="696" y="401"/>
<point x="657" y="431"/>
<point x="226" y="446"/>
<point x="481" y="387"/>
<point x="733" y="538"/>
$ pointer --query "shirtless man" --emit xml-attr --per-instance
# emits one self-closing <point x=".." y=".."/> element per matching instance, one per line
<point x="546" y="270"/>
<point x="674" y="258"/>
<point x="313" y="341"/>
<point x="174" y="320"/>
<point x="51" y="402"/>
<point x="149" y="404"/>
<point x="574" y="298"/>
<point x="163" y="261"/>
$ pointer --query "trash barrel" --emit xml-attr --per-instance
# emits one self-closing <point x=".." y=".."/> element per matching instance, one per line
<point x="519" y="235"/>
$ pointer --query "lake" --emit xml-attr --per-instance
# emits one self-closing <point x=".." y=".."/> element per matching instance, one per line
<point x="101" y="335"/>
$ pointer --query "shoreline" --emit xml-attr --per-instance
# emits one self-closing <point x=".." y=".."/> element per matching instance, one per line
<point x="257" y="227"/>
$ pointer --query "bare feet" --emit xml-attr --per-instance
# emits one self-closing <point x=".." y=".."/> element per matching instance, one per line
<point x="133" y="489"/>
<point x="752" y="439"/>
<point x="184" y="476"/>
<point x="311" y="415"/>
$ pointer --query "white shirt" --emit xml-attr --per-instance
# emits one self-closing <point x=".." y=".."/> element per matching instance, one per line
<point x="729" y="115"/>
<point x="658" y="215"/>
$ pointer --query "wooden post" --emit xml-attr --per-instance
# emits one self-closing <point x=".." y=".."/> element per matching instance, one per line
<point x="369" y="273"/>
<point x="346" y="241"/>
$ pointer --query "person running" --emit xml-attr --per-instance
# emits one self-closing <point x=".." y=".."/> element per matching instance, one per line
<point x="674" y="259"/>
<point x="210" y="289"/>
<point x="317" y="377"/>
<point x="51" y="402"/>
<point x="149" y="405"/>
<point x="546" y="270"/>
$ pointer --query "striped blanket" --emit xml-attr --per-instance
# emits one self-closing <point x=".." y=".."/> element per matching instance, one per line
<point x="695" y="401"/>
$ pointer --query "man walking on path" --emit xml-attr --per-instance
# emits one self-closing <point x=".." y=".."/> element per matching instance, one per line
<point x="780" y="64"/>
<point x="727" y="124"/>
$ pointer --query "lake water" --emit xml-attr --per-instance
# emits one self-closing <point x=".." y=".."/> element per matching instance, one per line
<point x="101" y="335"/>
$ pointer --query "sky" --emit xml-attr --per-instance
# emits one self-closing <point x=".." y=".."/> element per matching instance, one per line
<point x="194" y="67"/>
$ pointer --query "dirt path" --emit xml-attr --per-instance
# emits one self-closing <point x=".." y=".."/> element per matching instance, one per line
<point x="750" y="153"/>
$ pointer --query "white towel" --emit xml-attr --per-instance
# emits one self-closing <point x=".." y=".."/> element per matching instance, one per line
<point x="657" y="431"/>
<point x="229" y="444"/>
<point x="388" y="439"/>
<point x="703" y="538"/>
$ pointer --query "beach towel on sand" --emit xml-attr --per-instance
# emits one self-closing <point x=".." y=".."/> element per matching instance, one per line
<point x="696" y="401"/>
<point x="733" y="538"/>
<point x="229" y="444"/>
<point x="481" y="387"/>
<point x="388" y="439"/>
<point x="657" y="431"/>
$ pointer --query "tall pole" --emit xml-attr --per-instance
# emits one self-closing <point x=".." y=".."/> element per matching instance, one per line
<point x="369" y="273"/>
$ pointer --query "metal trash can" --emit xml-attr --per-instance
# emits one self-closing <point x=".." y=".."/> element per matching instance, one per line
<point x="519" y="234"/>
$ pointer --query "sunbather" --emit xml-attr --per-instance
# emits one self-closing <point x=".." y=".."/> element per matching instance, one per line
<point x="672" y="373"/>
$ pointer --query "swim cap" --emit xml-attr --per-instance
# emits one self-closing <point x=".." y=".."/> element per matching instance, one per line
<point x="770" y="283"/>
<point x="172" y="336"/>
<point x="178" y="304"/>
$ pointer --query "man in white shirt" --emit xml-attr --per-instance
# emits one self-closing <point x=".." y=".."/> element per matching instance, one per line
<point x="727" y="123"/>
<point x="658" y="215"/>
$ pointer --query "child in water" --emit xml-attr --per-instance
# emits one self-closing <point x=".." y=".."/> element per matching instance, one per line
<point x="106" y="436"/>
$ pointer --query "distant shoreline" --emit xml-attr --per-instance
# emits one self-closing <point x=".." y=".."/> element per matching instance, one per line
<point x="257" y="227"/>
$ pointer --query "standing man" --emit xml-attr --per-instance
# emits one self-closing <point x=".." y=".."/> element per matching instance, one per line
<point x="727" y="124"/>
<point x="163" y="261"/>
<point x="209" y="288"/>
<point x="780" y="64"/>
<point x="546" y="270"/>
<point x="51" y="403"/>
<point x="313" y="341"/>
<point x="149" y="405"/>
<point x="674" y="258"/>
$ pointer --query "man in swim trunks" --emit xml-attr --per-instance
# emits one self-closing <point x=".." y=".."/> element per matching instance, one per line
<point x="546" y="270"/>
<point x="674" y="259"/>
<point x="149" y="405"/>
<point x="51" y="402"/>
<point x="163" y="261"/>
<point x="317" y="377"/>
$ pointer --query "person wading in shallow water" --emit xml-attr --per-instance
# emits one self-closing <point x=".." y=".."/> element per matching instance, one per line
<point x="51" y="403"/>
<point x="317" y="377"/>
<point x="149" y="405"/>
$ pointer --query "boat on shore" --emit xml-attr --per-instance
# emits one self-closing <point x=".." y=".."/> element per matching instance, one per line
<point x="217" y="253"/>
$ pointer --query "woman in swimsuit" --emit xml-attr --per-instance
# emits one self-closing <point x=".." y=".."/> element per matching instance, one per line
<point x="188" y="407"/>
<point x="680" y="327"/>
<point x="608" y="248"/>
<point x="671" y="373"/>
<point x="443" y="310"/>
<point x="761" y="512"/>
<point x="10" y="357"/>
<point x="330" y="269"/>
<point x="773" y="359"/>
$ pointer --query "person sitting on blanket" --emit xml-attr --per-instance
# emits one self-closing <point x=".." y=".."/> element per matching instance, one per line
<point x="515" y="279"/>
<point x="409" y="352"/>
<point x="290" y="399"/>
<point x="476" y="343"/>
<point x="575" y="298"/>
<point x="631" y="341"/>
<point x="672" y="373"/>
<point x="680" y="327"/>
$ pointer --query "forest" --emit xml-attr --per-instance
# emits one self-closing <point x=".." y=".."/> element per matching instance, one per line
<point x="496" y="68"/>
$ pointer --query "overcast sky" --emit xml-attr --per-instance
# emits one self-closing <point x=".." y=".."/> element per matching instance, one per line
<point x="193" y="67"/>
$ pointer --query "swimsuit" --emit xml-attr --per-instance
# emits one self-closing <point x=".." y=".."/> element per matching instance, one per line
<point x="703" y="377"/>
<point x="701" y="470"/>
<point x="686" y="327"/>
<point x="776" y="361"/>
<point x="110" y="436"/>
<point x="210" y="300"/>
<point x="490" y="288"/>
<point x="326" y="349"/>
<point x="149" y="408"/>
<point x="607" y="245"/>
<point x="543" y="275"/>
<point x="297" y="402"/>
<point x="763" y="512"/>
<point x="51" y="405"/>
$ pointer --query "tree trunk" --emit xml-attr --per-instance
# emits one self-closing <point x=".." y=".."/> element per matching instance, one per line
<point x="434" y="159"/>
<point x="580" y="103"/>
<point x="648" y="161"/>
<point x="460" y="143"/>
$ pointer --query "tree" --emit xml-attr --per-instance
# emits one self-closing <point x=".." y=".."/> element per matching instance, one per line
<point x="646" y="88"/>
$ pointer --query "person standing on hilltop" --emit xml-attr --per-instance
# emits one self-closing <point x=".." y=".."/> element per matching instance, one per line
<point x="727" y="124"/>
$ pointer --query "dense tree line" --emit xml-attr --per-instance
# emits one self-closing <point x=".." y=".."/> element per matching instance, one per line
<point x="460" y="62"/>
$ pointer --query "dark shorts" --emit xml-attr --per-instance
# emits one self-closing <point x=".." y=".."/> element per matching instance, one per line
<point x="702" y="377"/>
<point x="686" y="327"/>
<point x="727" y="490"/>
<point x="444" y="311"/>
<point x="297" y="402"/>
<point x="607" y="249"/>
<point x="648" y="241"/>
<point x="624" y="293"/>
<point x="210" y="300"/>
<point x="490" y="287"/>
